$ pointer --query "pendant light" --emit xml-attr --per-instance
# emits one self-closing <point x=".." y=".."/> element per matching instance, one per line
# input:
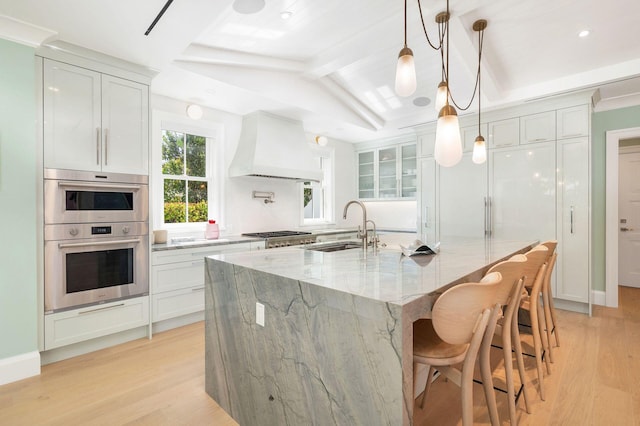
<point x="479" y="146"/>
<point x="448" y="144"/>
<point x="441" y="95"/>
<point x="406" y="69"/>
<point x="448" y="149"/>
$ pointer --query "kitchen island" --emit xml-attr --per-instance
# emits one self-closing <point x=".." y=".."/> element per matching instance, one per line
<point x="336" y="347"/>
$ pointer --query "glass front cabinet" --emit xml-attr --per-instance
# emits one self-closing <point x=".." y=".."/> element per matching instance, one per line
<point x="388" y="172"/>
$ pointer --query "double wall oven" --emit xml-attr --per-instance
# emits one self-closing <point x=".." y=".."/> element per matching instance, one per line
<point x="96" y="236"/>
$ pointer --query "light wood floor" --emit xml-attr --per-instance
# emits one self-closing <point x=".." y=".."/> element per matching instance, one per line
<point x="595" y="380"/>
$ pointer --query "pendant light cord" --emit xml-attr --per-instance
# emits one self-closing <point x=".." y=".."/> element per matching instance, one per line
<point x="480" y="39"/>
<point x="424" y="28"/>
<point x="405" y="23"/>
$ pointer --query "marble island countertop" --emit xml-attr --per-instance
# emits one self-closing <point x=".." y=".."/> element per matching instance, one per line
<point x="387" y="276"/>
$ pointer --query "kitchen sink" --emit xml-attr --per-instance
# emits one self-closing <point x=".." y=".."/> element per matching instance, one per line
<point x="334" y="246"/>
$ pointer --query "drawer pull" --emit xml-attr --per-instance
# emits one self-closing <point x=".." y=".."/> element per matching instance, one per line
<point x="197" y="289"/>
<point x="104" y="308"/>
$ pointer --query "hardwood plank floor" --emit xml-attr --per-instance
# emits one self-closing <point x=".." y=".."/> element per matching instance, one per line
<point x="594" y="381"/>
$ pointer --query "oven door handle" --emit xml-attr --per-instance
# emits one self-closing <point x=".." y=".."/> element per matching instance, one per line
<point x="98" y="185"/>
<point x="98" y="243"/>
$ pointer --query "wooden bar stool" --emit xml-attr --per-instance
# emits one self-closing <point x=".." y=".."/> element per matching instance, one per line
<point x="547" y="298"/>
<point x="453" y="335"/>
<point x="534" y="271"/>
<point x="506" y="334"/>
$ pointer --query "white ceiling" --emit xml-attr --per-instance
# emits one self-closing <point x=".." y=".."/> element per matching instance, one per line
<point x="332" y="64"/>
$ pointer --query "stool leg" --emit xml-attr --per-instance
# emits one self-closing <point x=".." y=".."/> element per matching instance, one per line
<point x="427" y="385"/>
<point x="520" y="361"/>
<point x="508" y="368"/>
<point x="537" y="346"/>
<point x="548" y="322"/>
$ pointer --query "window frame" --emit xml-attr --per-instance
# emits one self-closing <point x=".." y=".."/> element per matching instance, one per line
<point x="327" y="188"/>
<point x="214" y="134"/>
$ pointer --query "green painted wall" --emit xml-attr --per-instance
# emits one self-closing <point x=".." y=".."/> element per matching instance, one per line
<point x="602" y="122"/>
<point x="18" y="289"/>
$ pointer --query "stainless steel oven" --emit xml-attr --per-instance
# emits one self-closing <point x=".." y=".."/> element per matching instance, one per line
<point x="93" y="263"/>
<point x="96" y="236"/>
<point x="89" y="197"/>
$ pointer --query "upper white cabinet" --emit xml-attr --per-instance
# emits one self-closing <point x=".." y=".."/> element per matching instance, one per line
<point x="366" y="174"/>
<point x="573" y="122"/>
<point x="94" y="121"/>
<point x="388" y="172"/>
<point x="504" y="133"/>
<point x="538" y="127"/>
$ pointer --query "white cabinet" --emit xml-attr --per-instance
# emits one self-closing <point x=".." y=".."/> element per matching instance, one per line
<point x="366" y="175"/>
<point x="177" y="286"/>
<point x="573" y="122"/>
<point x="504" y="133"/>
<point x="388" y="172"/>
<point x="573" y="220"/>
<point x="522" y="192"/>
<point x="65" y="328"/>
<point x="536" y="128"/>
<point x="463" y="194"/>
<point x="428" y="215"/>
<point x="94" y="121"/>
<point x="427" y="143"/>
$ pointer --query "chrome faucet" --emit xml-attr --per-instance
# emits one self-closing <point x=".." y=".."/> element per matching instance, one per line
<point x="362" y="234"/>
<point x="374" y="239"/>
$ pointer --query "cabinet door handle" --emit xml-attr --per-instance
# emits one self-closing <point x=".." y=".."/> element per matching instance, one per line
<point x="427" y="223"/>
<point x="197" y="289"/>
<point x="571" y="218"/>
<point x="98" y="145"/>
<point x="106" y="146"/>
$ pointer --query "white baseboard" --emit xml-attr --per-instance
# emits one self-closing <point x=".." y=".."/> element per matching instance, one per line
<point x="19" y="367"/>
<point x="598" y="297"/>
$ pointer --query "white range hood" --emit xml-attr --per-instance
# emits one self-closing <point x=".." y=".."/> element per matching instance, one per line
<point x="274" y="147"/>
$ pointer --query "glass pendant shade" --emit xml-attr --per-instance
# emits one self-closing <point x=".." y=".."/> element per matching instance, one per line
<point x="448" y="149"/>
<point x="479" y="151"/>
<point x="441" y="96"/>
<point x="405" y="73"/>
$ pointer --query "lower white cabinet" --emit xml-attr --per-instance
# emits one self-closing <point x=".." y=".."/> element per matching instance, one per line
<point x="68" y="327"/>
<point x="177" y="278"/>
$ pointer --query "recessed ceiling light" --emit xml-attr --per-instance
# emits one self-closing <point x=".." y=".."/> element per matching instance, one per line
<point x="286" y="15"/>
<point x="247" y="7"/>
<point x="421" y="101"/>
<point x="584" y="33"/>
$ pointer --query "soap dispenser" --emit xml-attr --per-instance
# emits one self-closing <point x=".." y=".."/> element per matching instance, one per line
<point x="212" y="232"/>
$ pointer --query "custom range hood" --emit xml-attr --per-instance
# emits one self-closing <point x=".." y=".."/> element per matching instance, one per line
<point x="274" y="147"/>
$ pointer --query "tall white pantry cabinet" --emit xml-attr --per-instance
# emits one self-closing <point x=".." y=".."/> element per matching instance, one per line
<point x="534" y="185"/>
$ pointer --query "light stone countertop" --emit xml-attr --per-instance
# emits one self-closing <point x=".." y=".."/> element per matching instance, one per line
<point x="387" y="276"/>
<point x="203" y="243"/>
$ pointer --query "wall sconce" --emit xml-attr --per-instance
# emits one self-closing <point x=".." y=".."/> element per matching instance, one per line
<point x="322" y="140"/>
<point x="194" y="112"/>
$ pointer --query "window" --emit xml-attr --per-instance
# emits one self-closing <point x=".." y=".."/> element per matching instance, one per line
<point x="186" y="177"/>
<point x="317" y="197"/>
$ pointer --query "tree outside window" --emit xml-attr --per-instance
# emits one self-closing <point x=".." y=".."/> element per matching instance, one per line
<point x="184" y="170"/>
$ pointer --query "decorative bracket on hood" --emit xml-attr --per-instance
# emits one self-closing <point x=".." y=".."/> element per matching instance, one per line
<point x="274" y="147"/>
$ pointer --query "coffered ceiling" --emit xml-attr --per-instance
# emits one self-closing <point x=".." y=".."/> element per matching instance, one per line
<point x="332" y="63"/>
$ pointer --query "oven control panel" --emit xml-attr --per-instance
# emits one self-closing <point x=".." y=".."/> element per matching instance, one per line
<point x="78" y="231"/>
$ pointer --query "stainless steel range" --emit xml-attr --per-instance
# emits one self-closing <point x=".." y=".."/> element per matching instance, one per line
<point x="283" y="238"/>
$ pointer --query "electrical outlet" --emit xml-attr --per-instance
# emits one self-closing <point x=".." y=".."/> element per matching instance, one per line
<point x="259" y="314"/>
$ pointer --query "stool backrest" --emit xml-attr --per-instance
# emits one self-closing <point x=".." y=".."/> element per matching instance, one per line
<point x="457" y="312"/>
<point x="551" y="245"/>
<point x="512" y="271"/>
<point x="536" y="257"/>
